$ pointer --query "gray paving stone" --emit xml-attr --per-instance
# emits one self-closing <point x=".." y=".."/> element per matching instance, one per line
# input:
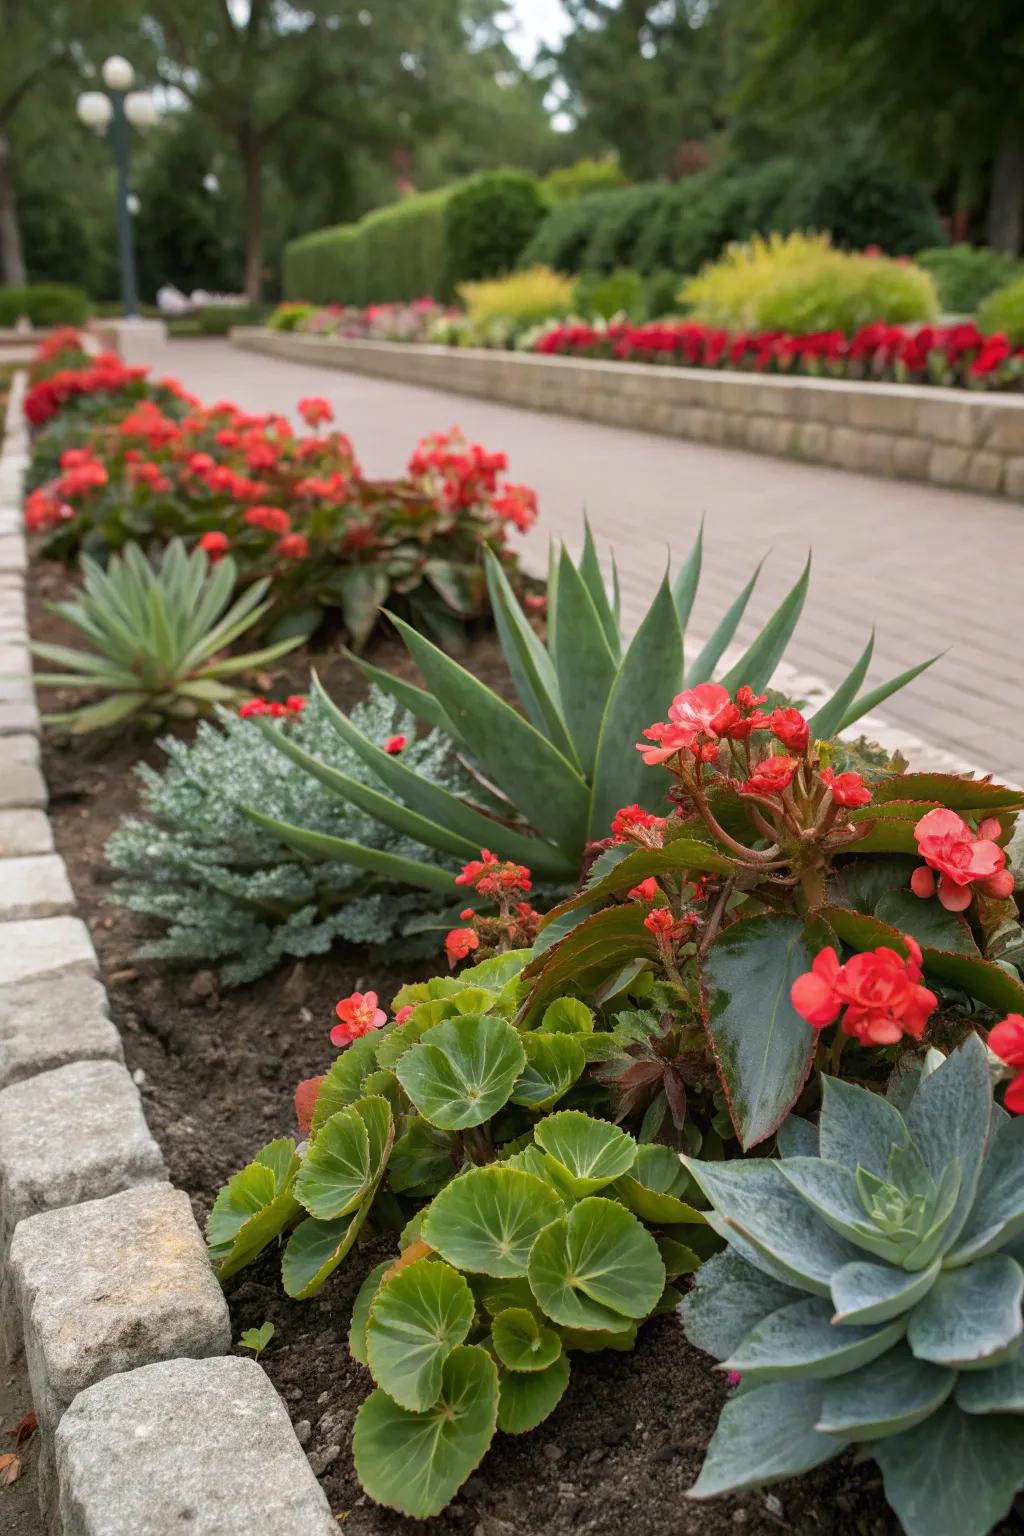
<point x="203" y="1447"/>
<point x="23" y="832"/>
<point x="18" y="717"/>
<point x="105" y="1287"/>
<point x="12" y="552"/>
<point x="36" y="886"/>
<point x="44" y="946"/>
<point x="21" y="780"/>
<point x="51" y="1022"/>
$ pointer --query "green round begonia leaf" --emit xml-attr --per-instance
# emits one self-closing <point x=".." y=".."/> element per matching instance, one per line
<point x="488" y="1219"/>
<point x="462" y="1071"/>
<point x="553" y="1065"/>
<point x="344" y="1158"/>
<point x="584" y="1154"/>
<point x="526" y="1399"/>
<point x="597" y="1267"/>
<point x="416" y="1462"/>
<point x="655" y="1186"/>
<point x="416" y="1319"/>
<point x="522" y="1343"/>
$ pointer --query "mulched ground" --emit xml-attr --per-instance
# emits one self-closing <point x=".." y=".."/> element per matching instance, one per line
<point x="217" y="1071"/>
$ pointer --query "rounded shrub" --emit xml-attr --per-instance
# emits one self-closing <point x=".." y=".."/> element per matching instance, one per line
<point x="44" y="304"/>
<point x="488" y="222"/>
<point x="521" y="299"/>
<point x="562" y="239"/>
<point x="622" y="292"/>
<point x="862" y="199"/>
<point x="661" y="294"/>
<point x="1003" y="312"/>
<point x="620" y="223"/>
<point x="967" y="274"/>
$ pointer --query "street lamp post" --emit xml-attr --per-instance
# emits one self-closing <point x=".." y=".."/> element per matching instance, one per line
<point x="114" y="110"/>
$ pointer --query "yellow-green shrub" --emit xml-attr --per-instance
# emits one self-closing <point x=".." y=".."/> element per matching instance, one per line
<point x="1003" y="311"/>
<point x="524" y="298"/>
<point x="799" y="283"/>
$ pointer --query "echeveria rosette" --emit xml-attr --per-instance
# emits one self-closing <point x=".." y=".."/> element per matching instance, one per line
<point x="871" y="1294"/>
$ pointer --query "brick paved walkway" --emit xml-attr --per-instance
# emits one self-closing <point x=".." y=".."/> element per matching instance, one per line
<point x="930" y="568"/>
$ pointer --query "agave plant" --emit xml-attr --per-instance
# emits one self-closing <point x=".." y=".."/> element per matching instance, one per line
<point x="565" y="766"/>
<point x="157" y="636"/>
<point x="871" y="1296"/>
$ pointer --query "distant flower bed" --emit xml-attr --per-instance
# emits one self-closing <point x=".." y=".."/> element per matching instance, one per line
<point x="412" y="321"/>
<point x="956" y="355"/>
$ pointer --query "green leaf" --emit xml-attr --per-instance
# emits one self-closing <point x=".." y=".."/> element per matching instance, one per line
<point x="997" y="1214"/>
<point x="762" y="1047"/>
<point x="801" y="1340"/>
<point x="760" y="1215"/>
<point x="728" y="1299"/>
<point x="553" y="1065"/>
<point x="864" y="1293"/>
<point x="344" y="1159"/>
<point x="253" y="1208"/>
<point x="514" y="755"/>
<point x="684" y="588"/>
<point x="862" y="882"/>
<point x="957" y="791"/>
<point x="584" y="1154"/>
<point x="890" y="1395"/>
<point x="584" y="661"/>
<point x="971" y="1316"/>
<point x="953" y="1474"/>
<point x="649" y="676"/>
<point x="488" y="1219"/>
<point x="590" y="953"/>
<point x="416" y="1462"/>
<point x="827" y="721"/>
<point x="927" y="921"/>
<point x="321" y="845"/>
<point x="654" y="1187"/>
<point x="257" y="1339"/>
<point x="423" y="1159"/>
<point x="701" y="670"/>
<point x="981" y="979"/>
<point x="764" y="1436"/>
<point x="949" y="1119"/>
<point x="314" y="1251"/>
<point x="997" y="1390"/>
<point x="416" y="1319"/>
<point x="462" y="1071"/>
<point x="682" y="855"/>
<point x="361" y="1311"/>
<point x="756" y="666"/>
<point x="527" y="1400"/>
<point x="496" y="972"/>
<point x="568" y="1016"/>
<point x="596" y="1267"/>
<point x="522" y="1343"/>
<point x="528" y="662"/>
<point x="343" y="1081"/>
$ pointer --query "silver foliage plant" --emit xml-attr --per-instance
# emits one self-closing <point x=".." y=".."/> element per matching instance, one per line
<point x="870" y="1297"/>
<point x="235" y="896"/>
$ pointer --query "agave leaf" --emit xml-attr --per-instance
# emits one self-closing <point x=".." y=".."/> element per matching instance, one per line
<point x="701" y="670"/>
<point x="875" y="696"/>
<point x="527" y="1400"/>
<point x="596" y="1267"/>
<point x="528" y="662"/>
<point x="522" y="762"/>
<point x="764" y="1436"/>
<point x="253" y="1208"/>
<point x="684" y="588"/>
<point x="997" y="1214"/>
<point x="95" y="717"/>
<point x="416" y="1462"/>
<point x="971" y="1317"/>
<point x="888" y="1396"/>
<point x="826" y="721"/>
<point x="488" y="1220"/>
<point x="590" y="571"/>
<point x="728" y="1299"/>
<point x="421" y="703"/>
<point x="997" y="1390"/>
<point x="756" y="666"/>
<point x="522" y="1343"/>
<point x="865" y="1293"/>
<point x="77" y="661"/>
<point x="462" y="1071"/>
<point x="585" y="663"/>
<point x="416" y="1319"/>
<point x="422" y="1159"/>
<point x="649" y="676"/>
<point x="800" y="1340"/>
<point x="954" y="1474"/>
<point x="763" y="1049"/>
<point x="321" y="845"/>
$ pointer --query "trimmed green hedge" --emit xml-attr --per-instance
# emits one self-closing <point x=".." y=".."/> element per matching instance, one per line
<point x="488" y="221"/>
<point x="44" y="304"/>
<point x="397" y="252"/>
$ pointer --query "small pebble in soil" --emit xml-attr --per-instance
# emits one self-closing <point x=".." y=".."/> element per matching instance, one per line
<point x="321" y="1460"/>
<point x="303" y="1430"/>
<point x="324" y="1397"/>
<point x="740" y="1517"/>
<point x="138" y="1077"/>
<point x="294" y="1394"/>
<point x="773" y="1505"/>
<point x="553" y="1452"/>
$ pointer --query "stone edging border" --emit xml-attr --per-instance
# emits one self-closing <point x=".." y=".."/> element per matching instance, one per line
<point x="145" y="1423"/>
<point x="946" y="437"/>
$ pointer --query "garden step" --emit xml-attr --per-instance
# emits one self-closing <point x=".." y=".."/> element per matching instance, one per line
<point x="107" y="1286"/>
<point x="51" y="1022"/>
<point x="21" y="782"/>
<point x="45" y="946"/>
<point x="24" y="832"/>
<point x="77" y="1133"/>
<point x="36" y="886"/>
<point x="203" y="1446"/>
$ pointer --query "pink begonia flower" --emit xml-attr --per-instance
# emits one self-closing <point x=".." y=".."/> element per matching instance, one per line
<point x="960" y="857"/>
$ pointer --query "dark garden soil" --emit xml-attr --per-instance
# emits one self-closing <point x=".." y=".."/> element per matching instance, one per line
<point x="217" y="1071"/>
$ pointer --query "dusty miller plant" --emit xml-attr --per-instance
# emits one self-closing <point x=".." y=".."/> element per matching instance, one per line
<point x="234" y="895"/>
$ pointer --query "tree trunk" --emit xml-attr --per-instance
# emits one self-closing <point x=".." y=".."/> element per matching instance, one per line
<point x="1006" y="201"/>
<point x="12" y="260"/>
<point x="252" y="177"/>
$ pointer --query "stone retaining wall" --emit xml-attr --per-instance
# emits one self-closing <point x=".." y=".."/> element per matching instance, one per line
<point x="144" y="1426"/>
<point x="945" y="436"/>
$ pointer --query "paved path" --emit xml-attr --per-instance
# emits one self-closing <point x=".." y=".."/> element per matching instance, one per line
<point x="930" y="568"/>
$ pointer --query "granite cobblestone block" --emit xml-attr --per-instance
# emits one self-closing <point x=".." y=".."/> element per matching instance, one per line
<point x="45" y="946"/>
<point x="24" y="832"/>
<point x="21" y="779"/>
<point x="53" y="1021"/>
<point x="36" y="886"/>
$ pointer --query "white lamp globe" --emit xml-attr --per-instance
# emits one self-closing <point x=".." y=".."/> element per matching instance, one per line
<point x="94" y="109"/>
<point x="140" y="109"/>
<point x="211" y="182"/>
<point x="132" y="203"/>
<point x="118" y="74"/>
